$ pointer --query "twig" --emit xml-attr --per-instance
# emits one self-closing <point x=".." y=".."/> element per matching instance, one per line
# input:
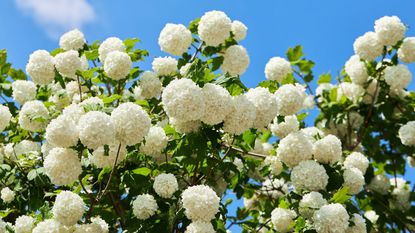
<point x="111" y="174"/>
<point x="199" y="49"/>
<point x="80" y="88"/>
<point x="245" y="152"/>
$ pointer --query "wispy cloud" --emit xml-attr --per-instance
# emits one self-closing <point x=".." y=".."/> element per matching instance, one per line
<point x="58" y="16"/>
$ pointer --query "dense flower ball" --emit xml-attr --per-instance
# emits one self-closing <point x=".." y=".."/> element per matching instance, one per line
<point x="235" y="60"/>
<point x="371" y="216"/>
<point x="406" y="52"/>
<point x="5" y="117"/>
<point x="398" y="77"/>
<point x="74" y="112"/>
<point x="104" y="225"/>
<point x="359" y="225"/>
<point x="265" y="106"/>
<point x="68" y="208"/>
<point x="389" y="30"/>
<point x="239" y="30"/>
<point x="379" y="183"/>
<point x="183" y="99"/>
<point x="322" y="88"/>
<point x="353" y="178"/>
<point x="368" y="46"/>
<point x="200" y="203"/>
<point x="23" y="91"/>
<point x="312" y="133"/>
<point x="309" y="175"/>
<point x="331" y="218"/>
<point x="50" y="226"/>
<point x="73" y="39"/>
<point x="185" y="126"/>
<point x="200" y="227"/>
<point x="109" y="45"/>
<point x="155" y="141"/>
<point x="350" y="90"/>
<point x="33" y="116"/>
<point x="150" y="85"/>
<point x="62" y="132"/>
<point x="96" y="129"/>
<point x="310" y="203"/>
<point x="400" y="195"/>
<point x="26" y="147"/>
<point x="357" y="70"/>
<point x="218" y="103"/>
<point x="175" y="39"/>
<point x="372" y="92"/>
<point x="290" y="99"/>
<point x="357" y="160"/>
<point x="274" y="164"/>
<point x="165" y="185"/>
<point x="88" y="228"/>
<point x="282" y="219"/>
<point x="294" y="148"/>
<point x="277" y="69"/>
<point x="242" y="117"/>
<point x="7" y="195"/>
<point x="100" y="159"/>
<point x="67" y="63"/>
<point x="282" y="129"/>
<point x="117" y="65"/>
<point x="328" y="149"/>
<point x="24" y="224"/>
<point x="144" y="206"/>
<point x="214" y="28"/>
<point x="407" y="133"/>
<point x="62" y="166"/>
<point x="40" y="67"/>
<point x="164" y="65"/>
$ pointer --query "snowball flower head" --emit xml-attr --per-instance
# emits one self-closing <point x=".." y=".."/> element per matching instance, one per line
<point x="290" y="99"/>
<point x="155" y="141"/>
<point x="282" y="129"/>
<point x="117" y="65"/>
<point x="277" y="69"/>
<point x="294" y="148"/>
<point x="164" y="65"/>
<point x="175" y="39"/>
<point x="242" y="117"/>
<point x="359" y="225"/>
<point x="100" y="159"/>
<point x="328" y="150"/>
<point x="165" y="185"/>
<point x="406" y="52"/>
<point x="26" y="147"/>
<point x="379" y="183"/>
<point x="353" y="178"/>
<point x="50" y="226"/>
<point x="218" y="103"/>
<point x="23" y="91"/>
<point x="72" y="40"/>
<point x="24" y="224"/>
<point x="331" y="218"/>
<point x="311" y="202"/>
<point x="62" y="166"/>
<point x="96" y="129"/>
<point x="183" y="99"/>
<point x="407" y="133"/>
<point x="398" y="77"/>
<point x="144" y="206"/>
<point x="274" y="164"/>
<point x="265" y="106"/>
<point x="109" y="45"/>
<point x="40" y="67"/>
<point x="62" y="132"/>
<point x="239" y="30"/>
<point x="104" y="225"/>
<point x="350" y="90"/>
<point x="283" y="219"/>
<point x="357" y="160"/>
<point x="368" y="46"/>
<point x="312" y="133"/>
<point x="7" y="195"/>
<point x="33" y="116"/>
<point x="5" y="117"/>
<point x="200" y="203"/>
<point x="309" y="175"/>
<point x="68" y="208"/>
<point x="185" y="126"/>
<point x="150" y="85"/>
<point x="389" y="30"/>
<point x="67" y="63"/>
<point x="74" y="112"/>
<point x="200" y="227"/>
<point x="372" y="216"/>
<point x="235" y="60"/>
<point x="89" y="228"/>
<point x="357" y="70"/>
<point x="214" y="28"/>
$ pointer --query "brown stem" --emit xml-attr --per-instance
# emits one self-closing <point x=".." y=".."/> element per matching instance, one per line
<point x="80" y="88"/>
<point x="111" y="174"/>
<point x="245" y="152"/>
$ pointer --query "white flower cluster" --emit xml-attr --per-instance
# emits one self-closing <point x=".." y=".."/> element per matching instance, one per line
<point x="274" y="164"/>
<point x="100" y="159"/>
<point x="242" y="117"/>
<point x="72" y="40"/>
<point x="328" y="150"/>
<point x="164" y="65"/>
<point x="200" y="227"/>
<point x="144" y="206"/>
<point x="368" y="46"/>
<point x="62" y="132"/>
<point x="7" y="195"/>
<point x="67" y="63"/>
<point x="5" y="117"/>
<point x="331" y="218"/>
<point x="400" y="194"/>
<point x="311" y="202"/>
<point x="235" y="60"/>
<point x="40" y="67"/>
<point x="96" y="129"/>
<point x="389" y="30"/>
<point x="357" y="70"/>
<point x="33" y="116"/>
<point x="50" y="226"/>
<point x="359" y="225"/>
<point x="283" y="219"/>
<point x="295" y="148"/>
<point x="150" y="85"/>
<point x="62" y="166"/>
<point x="290" y="99"/>
<point x="282" y="129"/>
<point x="200" y="203"/>
<point x="354" y="179"/>
<point x="117" y="65"/>
<point x="357" y="160"/>
<point x="398" y="77"/>
<point x="265" y="106"/>
<point x="406" y="52"/>
<point x="310" y="176"/>
<point x="351" y="91"/>
<point x="218" y="103"/>
<point x="68" y="208"/>
<point x="175" y="39"/>
<point x="214" y="28"/>
<point x="155" y="141"/>
<point x="239" y="30"/>
<point x="24" y="224"/>
<point x="23" y="91"/>
<point x="277" y="69"/>
<point x="109" y="45"/>
<point x="379" y="183"/>
<point x="165" y="185"/>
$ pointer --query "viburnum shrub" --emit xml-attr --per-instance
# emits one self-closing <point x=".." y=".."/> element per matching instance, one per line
<point x="92" y="143"/>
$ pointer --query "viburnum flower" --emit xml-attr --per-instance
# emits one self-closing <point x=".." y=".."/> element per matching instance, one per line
<point x="144" y="206"/>
<point x="357" y="70"/>
<point x="294" y="148"/>
<point x="357" y="160"/>
<point x="368" y="46"/>
<point x="379" y="183"/>
<point x="200" y="227"/>
<point x="389" y="30"/>
<point x="67" y="63"/>
<point x="24" y="224"/>
<point x="309" y="175"/>
<point x="150" y="85"/>
<point x="359" y="224"/>
<point x="175" y="39"/>
<point x="214" y="28"/>
<point x="283" y="219"/>
<point x="62" y="132"/>
<point x="242" y="117"/>
<point x="109" y="45"/>
<point x="235" y="60"/>
<point x="155" y="141"/>
<point x="354" y="179"/>
<point x="200" y="203"/>
<point x="68" y="208"/>
<point x="406" y="52"/>
<point x="290" y="99"/>
<point x="331" y="218"/>
<point x="398" y="76"/>
<point x="50" y="226"/>
<point x="40" y="67"/>
<point x="96" y="129"/>
<point x="62" y="166"/>
<point x="165" y="185"/>
<point x="101" y="160"/>
<point x="277" y="69"/>
<point x="282" y="129"/>
<point x="33" y="116"/>
<point x="7" y="195"/>
<point x="117" y="65"/>
<point x="23" y="91"/>
<point x="265" y="106"/>
<point x="72" y="40"/>
<point x="218" y="103"/>
<point x="328" y="149"/>
<point x="5" y="117"/>
<point x="164" y="65"/>
<point x="311" y="202"/>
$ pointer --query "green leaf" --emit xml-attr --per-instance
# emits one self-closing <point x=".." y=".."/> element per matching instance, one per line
<point x="3" y="57"/>
<point x="341" y="196"/>
<point x="92" y="54"/>
<point x="130" y="43"/>
<point x="289" y="79"/>
<point x="111" y="98"/>
<point x="144" y="171"/>
<point x="324" y="78"/>
<point x="56" y="52"/>
<point x="193" y="25"/>
<point x="294" y="54"/>
<point x="17" y="74"/>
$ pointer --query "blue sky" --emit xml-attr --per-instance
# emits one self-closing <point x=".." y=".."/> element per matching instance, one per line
<point x="326" y="29"/>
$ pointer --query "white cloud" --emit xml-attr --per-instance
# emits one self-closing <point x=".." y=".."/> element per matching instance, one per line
<point x="58" y="16"/>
